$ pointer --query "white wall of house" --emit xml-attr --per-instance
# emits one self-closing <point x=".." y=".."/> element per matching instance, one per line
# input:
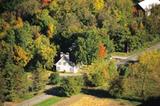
<point x="63" y="66"/>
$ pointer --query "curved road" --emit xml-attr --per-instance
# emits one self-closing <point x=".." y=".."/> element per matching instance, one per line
<point x="134" y="57"/>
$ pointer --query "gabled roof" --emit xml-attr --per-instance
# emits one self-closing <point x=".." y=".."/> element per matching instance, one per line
<point x="66" y="59"/>
<point x="147" y="4"/>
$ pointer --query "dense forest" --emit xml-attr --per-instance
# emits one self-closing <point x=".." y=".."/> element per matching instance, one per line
<point x="34" y="32"/>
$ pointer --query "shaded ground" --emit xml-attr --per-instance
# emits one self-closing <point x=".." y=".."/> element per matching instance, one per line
<point x="151" y="102"/>
<point x="99" y="93"/>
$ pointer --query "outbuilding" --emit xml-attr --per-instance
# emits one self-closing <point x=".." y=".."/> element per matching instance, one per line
<point x="147" y="5"/>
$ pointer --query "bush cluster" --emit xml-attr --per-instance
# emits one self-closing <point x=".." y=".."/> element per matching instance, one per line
<point x="54" y="78"/>
<point x="71" y="86"/>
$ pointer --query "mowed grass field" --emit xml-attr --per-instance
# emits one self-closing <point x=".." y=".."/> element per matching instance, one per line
<point x="50" y="101"/>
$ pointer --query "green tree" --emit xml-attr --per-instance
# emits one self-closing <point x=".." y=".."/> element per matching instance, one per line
<point x="24" y="37"/>
<point x="71" y="86"/>
<point x="46" y="22"/>
<point x="14" y="82"/>
<point x="39" y="81"/>
<point x="54" y="78"/>
<point x="87" y="47"/>
<point x="121" y="39"/>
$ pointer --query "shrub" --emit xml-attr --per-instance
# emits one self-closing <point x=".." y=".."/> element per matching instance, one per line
<point x="71" y="86"/>
<point x="54" y="78"/>
<point x="116" y="87"/>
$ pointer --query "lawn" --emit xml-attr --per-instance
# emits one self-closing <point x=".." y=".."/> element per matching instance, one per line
<point x="49" y="101"/>
<point x="27" y="96"/>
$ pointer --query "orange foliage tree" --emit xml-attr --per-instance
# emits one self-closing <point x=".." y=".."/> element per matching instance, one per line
<point x="46" y="1"/>
<point x="102" y="51"/>
<point x="19" y="23"/>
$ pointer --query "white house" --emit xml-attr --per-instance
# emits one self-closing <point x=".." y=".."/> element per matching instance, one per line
<point x="65" y="65"/>
<point x="147" y="5"/>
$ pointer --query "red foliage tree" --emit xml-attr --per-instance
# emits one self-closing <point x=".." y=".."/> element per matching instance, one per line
<point x="46" y="1"/>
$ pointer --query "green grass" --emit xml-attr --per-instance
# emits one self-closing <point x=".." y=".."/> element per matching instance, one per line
<point x="27" y="96"/>
<point x="130" y="103"/>
<point x="49" y="101"/>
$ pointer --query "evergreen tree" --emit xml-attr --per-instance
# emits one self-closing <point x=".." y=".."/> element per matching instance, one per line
<point x="14" y="85"/>
<point x="38" y="79"/>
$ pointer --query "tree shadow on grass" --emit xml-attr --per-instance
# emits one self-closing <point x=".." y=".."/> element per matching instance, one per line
<point x="154" y="101"/>
<point x="100" y="93"/>
<point x="55" y="91"/>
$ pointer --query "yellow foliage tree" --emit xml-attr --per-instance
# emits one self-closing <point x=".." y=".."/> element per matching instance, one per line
<point x="101" y="72"/>
<point x="98" y="4"/>
<point x="143" y="79"/>
<point x="21" y="56"/>
<point x="51" y="30"/>
<point x="150" y="59"/>
<point x="45" y="50"/>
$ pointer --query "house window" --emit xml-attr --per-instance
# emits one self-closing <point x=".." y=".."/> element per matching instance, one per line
<point x="72" y="69"/>
<point x="58" y="68"/>
<point x="59" y="63"/>
<point x="64" y="63"/>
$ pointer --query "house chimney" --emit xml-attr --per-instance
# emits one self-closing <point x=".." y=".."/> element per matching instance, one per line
<point x="61" y="54"/>
<point x="67" y="55"/>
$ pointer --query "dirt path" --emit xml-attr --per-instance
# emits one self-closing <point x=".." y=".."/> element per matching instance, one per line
<point x="134" y="57"/>
<point x="69" y="101"/>
<point x="36" y="99"/>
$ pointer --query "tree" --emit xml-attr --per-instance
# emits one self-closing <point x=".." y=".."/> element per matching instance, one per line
<point x="2" y="88"/>
<point x="46" y="22"/>
<point x="44" y="51"/>
<point x="98" y="4"/>
<point x="14" y="82"/>
<point x="101" y="51"/>
<point x="87" y="47"/>
<point x="143" y="78"/>
<point x="54" y="78"/>
<point x="46" y="1"/>
<point x="71" y="86"/>
<point x="100" y="73"/>
<point x="21" y="57"/>
<point x="39" y="80"/>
